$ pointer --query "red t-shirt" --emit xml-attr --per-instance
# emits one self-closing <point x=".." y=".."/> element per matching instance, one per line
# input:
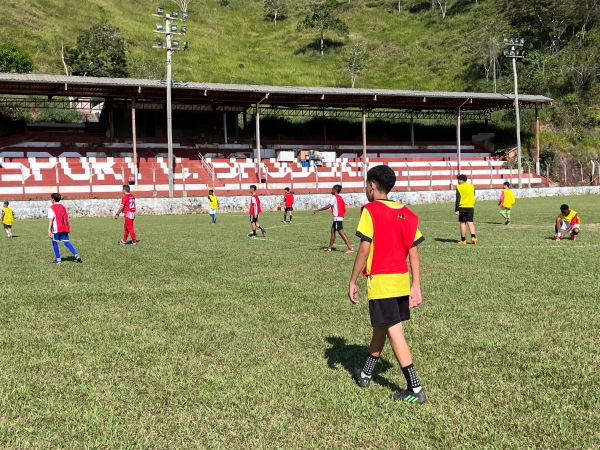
<point x="289" y="200"/>
<point x="128" y="202"/>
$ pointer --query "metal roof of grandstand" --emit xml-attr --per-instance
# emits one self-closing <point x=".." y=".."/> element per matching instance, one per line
<point x="76" y="86"/>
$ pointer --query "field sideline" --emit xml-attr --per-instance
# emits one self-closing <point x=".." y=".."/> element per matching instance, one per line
<point x="202" y="338"/>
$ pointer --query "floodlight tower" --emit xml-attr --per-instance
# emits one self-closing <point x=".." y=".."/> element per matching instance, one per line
<point x="169" y="30"/>
<point x="516" y="52"/>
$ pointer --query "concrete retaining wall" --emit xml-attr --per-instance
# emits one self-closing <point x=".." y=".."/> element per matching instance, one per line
<point x="199" y="205"/>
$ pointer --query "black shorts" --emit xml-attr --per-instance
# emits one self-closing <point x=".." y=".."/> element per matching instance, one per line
<point x="386" y="312"/>
<point x="6" y="227"/>
<point x="337" y="225"/>
<point x="289" y="208"/>
<point x="253" y="219"/>
<point x="465" y="215"/>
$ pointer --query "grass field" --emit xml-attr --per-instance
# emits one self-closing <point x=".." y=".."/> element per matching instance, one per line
<point x="202" y="338"/>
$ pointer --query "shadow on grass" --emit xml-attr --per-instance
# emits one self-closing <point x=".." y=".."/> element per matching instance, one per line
<point x="453" y="241"/>
<point x="315" y="47"/>
<point x="495" y="223"/>
<point x="351" y="356"/>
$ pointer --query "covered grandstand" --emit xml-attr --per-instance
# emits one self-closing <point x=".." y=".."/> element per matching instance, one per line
<point x="215" y="147"/>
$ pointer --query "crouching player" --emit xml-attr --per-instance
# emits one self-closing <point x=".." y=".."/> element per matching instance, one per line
<point x="389" y="234"/>
<point x="568" y="222"/>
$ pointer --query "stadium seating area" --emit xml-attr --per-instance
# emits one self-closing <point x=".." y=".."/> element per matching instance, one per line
<point x="79" y="164"/>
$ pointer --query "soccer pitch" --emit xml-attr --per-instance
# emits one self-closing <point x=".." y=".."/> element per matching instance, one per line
<point x="200" y="337"/>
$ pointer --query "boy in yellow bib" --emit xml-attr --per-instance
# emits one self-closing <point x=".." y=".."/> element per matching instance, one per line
<point x="506" y="202"/>
<point x="7" y="219"/>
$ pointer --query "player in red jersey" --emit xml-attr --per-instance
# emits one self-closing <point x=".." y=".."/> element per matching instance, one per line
<point x="127" y="207"/>
<point x="254" y="209"/>
<point x="288" y="198"/>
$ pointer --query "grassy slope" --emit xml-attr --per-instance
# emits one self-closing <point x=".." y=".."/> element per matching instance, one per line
<point x="202" y="338"/>
<point x="237" y="44"/>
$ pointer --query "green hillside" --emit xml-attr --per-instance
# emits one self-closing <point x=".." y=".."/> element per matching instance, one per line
<point x="237" y="43"/>
<point x="233" y="41"/>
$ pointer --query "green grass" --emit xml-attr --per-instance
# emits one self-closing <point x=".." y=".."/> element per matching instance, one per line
<point x="202" y="338"/>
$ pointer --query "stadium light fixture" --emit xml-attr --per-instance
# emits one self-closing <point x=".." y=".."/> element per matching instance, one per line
<point x="169" y="30"/>
<point x="516" y="52"/>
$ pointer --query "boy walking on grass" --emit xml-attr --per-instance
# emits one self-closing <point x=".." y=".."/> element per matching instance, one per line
<point x="127" y="207"/>
<point x="506" y="202"/>
<point x="7" y="219"/>
<point x="213" y="205"/>
<point x="59" y="228"/>
<point x="389" y="234"/>
<point x="254" y="209"/>
<point x="337" y="206"/>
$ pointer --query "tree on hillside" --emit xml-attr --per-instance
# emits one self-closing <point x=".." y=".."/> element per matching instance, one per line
<point x="356" y="59"/>
<point x="275" y="8"/>
<point x="183" y="4"/>
<point x="15" y="59"/>
<point x="100" y="52"/>
<point x="323" y="15"/>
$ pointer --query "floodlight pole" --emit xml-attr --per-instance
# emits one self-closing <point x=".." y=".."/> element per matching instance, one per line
<point x="513" y="54"/>
<point x="519" y="168"/>
<point x="169" y="109"/>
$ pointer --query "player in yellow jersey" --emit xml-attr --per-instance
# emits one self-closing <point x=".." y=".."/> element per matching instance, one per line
<point x="506" y="202"/>
<point x="7" y="219"/>
<point x="465" y="208"/>
<point x="567" y="221"/>
<point x="213" y="205"/>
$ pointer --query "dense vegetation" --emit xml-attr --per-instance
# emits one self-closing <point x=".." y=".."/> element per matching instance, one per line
<point x="450" y="45"/>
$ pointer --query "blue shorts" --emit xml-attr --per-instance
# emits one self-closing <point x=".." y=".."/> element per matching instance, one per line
<point x="58" y="237"/>
<point x="6" y="227"/>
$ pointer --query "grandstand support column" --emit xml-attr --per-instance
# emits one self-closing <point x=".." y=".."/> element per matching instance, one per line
<point x="245" y="117"/>
<point x="412" y="129"/>
<point x="364" y="142"/>
<point x="537" y="141"/>
<point x="111" y="122"/>
<point x="134" y="134"/>
<point x="458" y="140"/>
<point x="225" y="128"/>
<point x="324" y="129"/>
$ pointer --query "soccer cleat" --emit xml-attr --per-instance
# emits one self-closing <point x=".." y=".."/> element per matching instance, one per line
<point x="284" y="221"/>
<point x="134" y="243"/>
<point x="56" y="261"/>
<point x="250" y="234"/>
<point x="264" y="231"/>
<point x="410" y="396"/>
<point x="473" y="241"/>
<point x="122" y="243"/>
<point x="462" y="242"/>
<point x="558" y="238"/>
<point x="573" y="237"/>
<point x="507" y="222"/>
<point x="350" y="250"/>
<point x="363" y="382"/>
<point x="78" y="259"/>
<point x="327" y="249"/>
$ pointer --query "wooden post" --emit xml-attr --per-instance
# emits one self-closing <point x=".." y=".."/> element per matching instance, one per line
<point x="364" y="142"/>
<point x="458" y="171"/>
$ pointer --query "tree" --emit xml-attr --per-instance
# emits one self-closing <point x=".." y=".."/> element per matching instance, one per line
<point x="274" y="8"/>
<point x="323" y="15"/>
<point x="15" y="59"/>
<point x="183" y="4"/>
<point x="356" y="59"/>
<point x="100" y="52"/>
